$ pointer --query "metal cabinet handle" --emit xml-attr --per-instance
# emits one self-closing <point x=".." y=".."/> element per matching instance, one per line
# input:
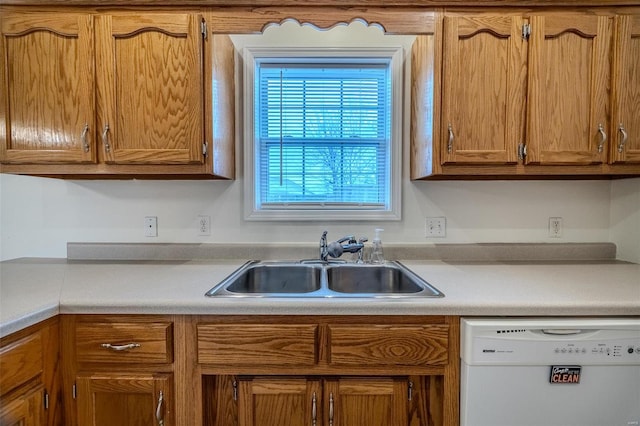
<point x="625" y="135"/>
<point x="83" y="137"/>
<point x="105" y="138"/>
<point x="451" y="138"/>
<point x="159" y="411"/>
<point x="120" y="347"/>
<point x="314" y="410"/>
<point x="331" y="409"/>
<point x="603" y="137"/>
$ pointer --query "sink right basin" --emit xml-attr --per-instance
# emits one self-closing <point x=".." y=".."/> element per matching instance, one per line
<point x="384" y="279"/>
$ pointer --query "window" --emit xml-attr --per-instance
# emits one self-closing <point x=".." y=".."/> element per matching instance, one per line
<point x="323" y="131"/>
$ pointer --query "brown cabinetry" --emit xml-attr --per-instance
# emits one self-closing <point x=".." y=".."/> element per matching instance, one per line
<point x="625" y="129"/>
<point x="568" y="89"/>
<point x="133" y="106"/>
<point x="29" y="377"/>
<point x="119" y="370"/>
<point x="261" y="371"/>
<point x="267" y="401"/>
<point x="529" y="94"/>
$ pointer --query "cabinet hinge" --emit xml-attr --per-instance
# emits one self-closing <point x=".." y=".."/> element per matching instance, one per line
<point x="203" y="29"/>
<point x="522" y="151"/>
<point x="205" y="145"/>
<point x="526" y="31"/>
<point x="45" y="400"/>
<point x="74" y="391"/>
<point x="410" y="392"/>
<point x="235" y="390"/>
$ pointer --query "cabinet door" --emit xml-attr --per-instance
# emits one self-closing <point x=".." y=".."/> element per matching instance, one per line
<point x="568" y="81"/>
<point x="125" y="399"/>
<point x="625" y="143"/>
<point x="366" y="402"/>
<point x="150" y="88"/>
<point x="47" y="88"/>
<point x="484" y="75"/>
<point x="279" y="402"/>
<point x="25" y="410"/>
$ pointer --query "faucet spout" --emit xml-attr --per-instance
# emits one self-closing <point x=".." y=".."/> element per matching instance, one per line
<point x="324" y="253"/>
<point x="335" y="249"/>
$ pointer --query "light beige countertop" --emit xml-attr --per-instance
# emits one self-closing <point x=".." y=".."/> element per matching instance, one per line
<point x="32" y="290"/>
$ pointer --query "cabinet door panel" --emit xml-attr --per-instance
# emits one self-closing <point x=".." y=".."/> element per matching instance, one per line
<point x="568" y="89"/>
<point x="626" y="88"/>
<point x="46" y="94"/>
<point x="484" y="87"/>
<point x="150" y="88"/>
<point x="366" y="402"/>
<point x="125" y="400"/>
<point x="279" y="402"/>
<point x="25" y="410"/>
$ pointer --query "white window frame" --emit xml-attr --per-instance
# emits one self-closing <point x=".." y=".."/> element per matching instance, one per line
<point x="393" y="210"/>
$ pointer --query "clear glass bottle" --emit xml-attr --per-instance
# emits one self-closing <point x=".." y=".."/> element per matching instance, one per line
<point x="377" y="254"/>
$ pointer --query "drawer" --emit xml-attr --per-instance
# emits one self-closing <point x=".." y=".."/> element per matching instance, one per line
<point x="257" y="344"/>
<point x="388" y="345"/>
<point x="124" y="342"/>
<point x="20" y="362"/>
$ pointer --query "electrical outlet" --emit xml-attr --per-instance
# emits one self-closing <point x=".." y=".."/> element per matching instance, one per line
<point x="436" y="227"/>
<point x="555" y="227"/>
<point x="151" y="226"/>
<point x="204" y="225"/>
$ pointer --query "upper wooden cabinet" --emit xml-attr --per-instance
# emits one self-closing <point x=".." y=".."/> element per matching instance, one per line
<point x="137" y="105"/>
<point x="531" y="95"/>
<point x="625" y="129"/>
<point x="47" y="91"/>
<point x="483" y="89"/>
<point x="569" y="74"/>
<point x="150" y="92"/>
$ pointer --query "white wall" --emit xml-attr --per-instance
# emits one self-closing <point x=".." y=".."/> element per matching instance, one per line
<point x="39" y="216"/>
<point x="625" y="218"/>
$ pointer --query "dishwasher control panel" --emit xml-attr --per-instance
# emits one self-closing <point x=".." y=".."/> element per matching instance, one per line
<point x="551" y="341"/>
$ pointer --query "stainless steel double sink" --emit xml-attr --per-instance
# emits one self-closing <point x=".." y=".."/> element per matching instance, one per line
<point x="323" y="279"/>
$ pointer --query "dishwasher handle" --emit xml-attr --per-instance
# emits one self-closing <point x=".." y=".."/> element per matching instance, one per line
<point x="561" y="331"/>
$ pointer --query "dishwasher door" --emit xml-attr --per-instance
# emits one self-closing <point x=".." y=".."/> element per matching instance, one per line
<point x="550" y="372"/>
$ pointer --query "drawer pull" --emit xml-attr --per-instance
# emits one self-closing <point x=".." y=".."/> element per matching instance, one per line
<point x="314" y="410"/>
<point x="159" y="411"/>
<point x="120" y="347"/>
<point x="331" y="409"/>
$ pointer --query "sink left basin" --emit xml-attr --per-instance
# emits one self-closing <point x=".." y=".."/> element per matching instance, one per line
<point x="270" y="279"/>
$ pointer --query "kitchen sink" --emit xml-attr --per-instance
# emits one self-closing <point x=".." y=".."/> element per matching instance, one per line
<point x="323" y="279"/>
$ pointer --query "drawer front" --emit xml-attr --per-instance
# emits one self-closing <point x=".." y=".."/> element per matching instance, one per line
<point x="257" y="344"/>
<point x="388" y="345"/>
<point x="124" y="342"/>
<point x="20" y="362"/>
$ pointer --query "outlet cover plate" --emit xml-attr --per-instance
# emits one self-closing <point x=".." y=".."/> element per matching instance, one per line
<point x="435" y="227"/>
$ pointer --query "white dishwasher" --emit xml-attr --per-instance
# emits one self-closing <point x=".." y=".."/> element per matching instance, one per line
<point x="550" y="372"/>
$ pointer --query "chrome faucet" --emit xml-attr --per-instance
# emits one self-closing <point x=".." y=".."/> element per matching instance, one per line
<point x="336" y="248"/>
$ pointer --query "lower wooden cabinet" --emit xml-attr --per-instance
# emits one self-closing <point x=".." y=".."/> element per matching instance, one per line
<point x="105" y="399"/>
<point x="24" y="410"/>
<point x="119" y="370"/>
<point x="29" y="377"/>
<point x="371" y="401"/>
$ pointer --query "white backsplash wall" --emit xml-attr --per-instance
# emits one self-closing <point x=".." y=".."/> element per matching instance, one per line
<point x="39" y="215"/>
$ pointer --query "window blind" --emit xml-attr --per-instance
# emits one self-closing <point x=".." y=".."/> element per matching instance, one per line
<point x="323" y="134"/>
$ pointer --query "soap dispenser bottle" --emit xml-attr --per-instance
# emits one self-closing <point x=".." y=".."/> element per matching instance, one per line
<point x="377" y="255"/>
